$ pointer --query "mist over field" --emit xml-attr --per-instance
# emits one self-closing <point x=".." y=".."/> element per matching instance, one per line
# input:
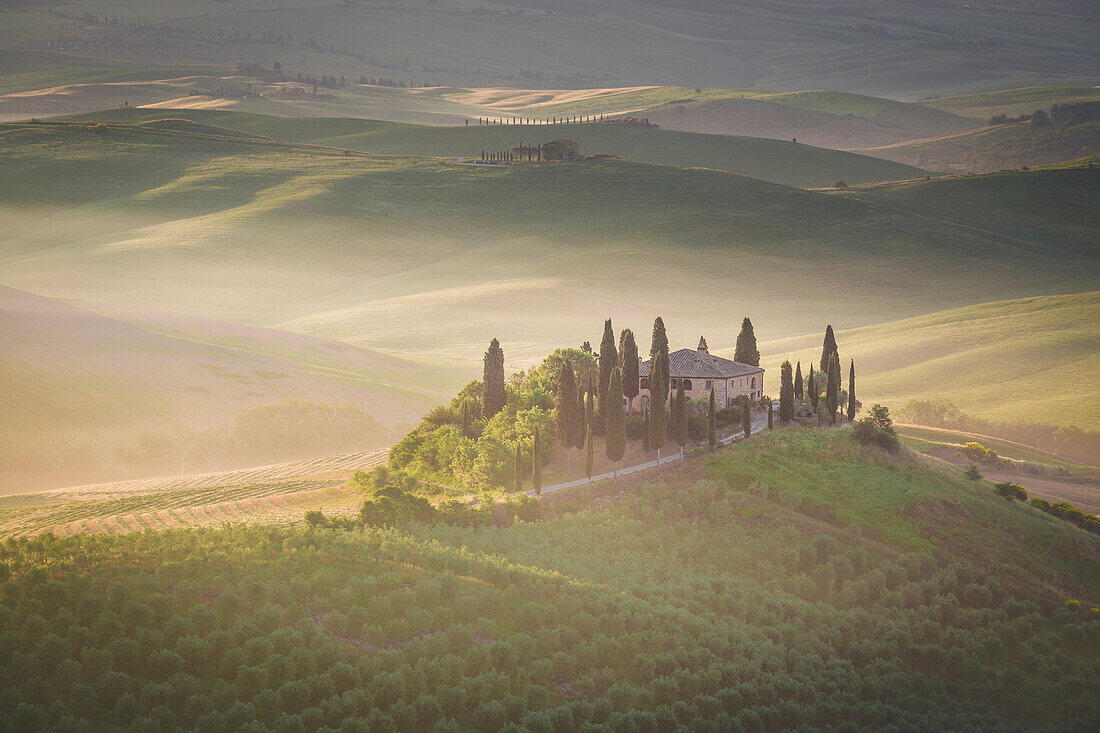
<point x="550" y="365"/>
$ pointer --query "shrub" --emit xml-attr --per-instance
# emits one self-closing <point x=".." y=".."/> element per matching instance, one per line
<point x="1011" y="491"/>
<point x="877" y="429"/>
<point x="972" y="473"/>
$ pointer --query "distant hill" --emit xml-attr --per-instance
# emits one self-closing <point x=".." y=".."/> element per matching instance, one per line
<point x="104" y="375"/>
<point x="875" y="47"/>
<point x="991" y="148"/>
<point x="770" y="160"/>
<point x="1029" y="359"/>
<point x="411" y="254"/>
<point x="1013" y="102"/>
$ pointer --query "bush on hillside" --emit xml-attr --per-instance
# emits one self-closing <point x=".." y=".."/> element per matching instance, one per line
<point x="877" y="429"/>
<point x="1011" y="491"/>
<point x="972" y="473"/>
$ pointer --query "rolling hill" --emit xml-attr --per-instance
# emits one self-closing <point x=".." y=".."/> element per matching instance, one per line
<point x="879" y="47"/>
<point x="1029" y="359"/>
<point x="409" y="254"/>
<point x="770" y="160"/>
<point x="103" y="375"/>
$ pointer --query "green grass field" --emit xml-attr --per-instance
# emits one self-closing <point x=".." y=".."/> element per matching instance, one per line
<point x="1003" y="361"/>
<point x="392" y="252"/>
<point x="770" y="160"/>
<point x="1014" y="102"/>
<point x="796" y="567"/>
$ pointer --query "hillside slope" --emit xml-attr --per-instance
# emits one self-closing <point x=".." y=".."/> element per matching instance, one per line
<point x="104" y="375"/>
<point x="1029" y="359"/>
<point x="770" y="160"/>
<point x="770" y="588"/>
<point x="410" y="254"/>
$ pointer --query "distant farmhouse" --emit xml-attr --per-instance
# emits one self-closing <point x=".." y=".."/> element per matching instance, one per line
<point x="561" y="150"/>
<point x="701" y="371"/>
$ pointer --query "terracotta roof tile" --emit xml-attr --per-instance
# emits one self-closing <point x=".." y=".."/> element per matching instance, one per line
<point x="696" y="364"/>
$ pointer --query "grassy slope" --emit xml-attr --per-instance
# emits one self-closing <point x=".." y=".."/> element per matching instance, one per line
<point x="1012" y="145"/>
<point x="24" y="71"/>
<point x="770" y="160"/>
<point x="785" y="47"/>
<point x="1014" y="102"/>
<point x="100" y="373"/>
<point x="1028" y="359"/>
<point x="411" y="254"/>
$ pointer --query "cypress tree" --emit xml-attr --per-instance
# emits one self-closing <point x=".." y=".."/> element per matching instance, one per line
<point x="678" y="419"/>
<point x="786" y="394"/>
<point x="589" y="456"/>
<point x="565" y="408"/>
<point x="798" y="392"/>
<point x="658" y="387"/>
<point x="746" y="351"/>
<point x="517" y="481"/>
<point x="615" y="426"/>
<point x="771" y="415"/>
<point x="536" y="465"/>
<point x="628" y="358"/>
<point x="645" y="430"/>
<point x="746" y="419"/>
<point x="832" y="389"/>
<point x="812" y="387"/>
<point x="828" y="348"/>
<point x="852" y="392"/>
<point x="494" y="395"/>
<point x="582" y="420"/>
<point x="465" y="418"/>
<point x="608" y="357"/>
<point x="712" y="423"/>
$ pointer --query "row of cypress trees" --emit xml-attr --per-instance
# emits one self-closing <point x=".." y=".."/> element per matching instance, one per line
<point x="791" y="387"/>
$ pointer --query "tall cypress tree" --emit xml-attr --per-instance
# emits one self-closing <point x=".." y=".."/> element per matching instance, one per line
<point x="746" y="351"/>
<point x="608" y="358"/>
<point x="771" y="415"/>
<point x="678" y="419"/>
<point x="712" y="423"/>
<point x="811" y="385"/>
<point x="852" y="392"/>
<point x="536" y="465"/>
<point x="565" y="408"/>
<point x="494" y="395"/>
<point x="798" y="393"/>
<point x="615" y="421"/>
<point x="589" y="454"/>
<point x="517" y="481"/>
<point x="658" y="387"/>
<point x="628" y="358"/>
<point x="786" y="393"/>
<point x="828" y="348"/>
<point x="746" y="419"/>
<point x="645" y="430"/>
<point x="582" y="418"/>
<point x="832" y="390"/>
<point x="465" y="418"/>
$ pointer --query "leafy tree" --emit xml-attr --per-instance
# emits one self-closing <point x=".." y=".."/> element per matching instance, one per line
<point x="746" y="351"/>
<point x="536" y="465"/>
<point x="658" y="387"/>
<point x="799" y="394"/>
<point x="494" y="396"/>
<point x="828" y="348"/>
<point x="565" y="409"/>
<point x="615" y="440"/>
<point x="712" y="422"/>
<point x="609" y="356"/>
<point x="786" y="394"/>
<point x="877" y="429"/>
<point x="628" y="358"/>
<point x="852" y="391"/>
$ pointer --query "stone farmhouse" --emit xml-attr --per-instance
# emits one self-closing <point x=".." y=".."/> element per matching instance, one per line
<point x="701" y="371"/>
<point x="561" y="150"/>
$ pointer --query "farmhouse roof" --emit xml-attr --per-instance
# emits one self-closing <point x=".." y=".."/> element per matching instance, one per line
<point x="697" y="364"/>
